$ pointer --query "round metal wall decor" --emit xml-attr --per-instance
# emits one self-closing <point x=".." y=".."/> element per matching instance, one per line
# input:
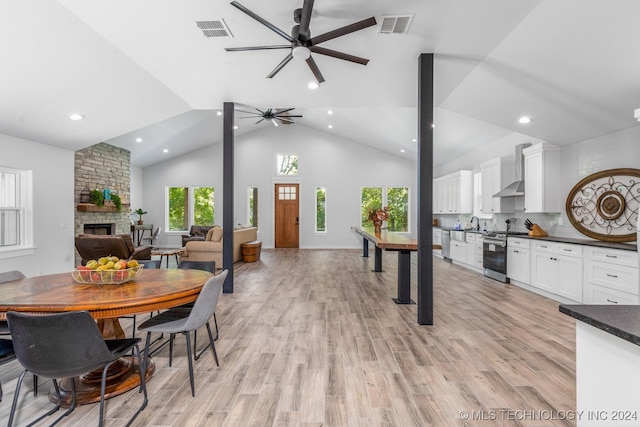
<point x="605" y="205"/>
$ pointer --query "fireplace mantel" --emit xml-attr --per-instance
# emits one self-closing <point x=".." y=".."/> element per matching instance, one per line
<point x="90" y="207"/>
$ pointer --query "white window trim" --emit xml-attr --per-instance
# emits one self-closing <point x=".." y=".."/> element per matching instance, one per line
<point x="25" y="203"/>
<point x="190" y="213"/>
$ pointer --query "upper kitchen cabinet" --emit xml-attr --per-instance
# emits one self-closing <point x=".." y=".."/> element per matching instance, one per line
<point x="452" y="194"/>
<point x="497" y="174"/>
<point x="542" y="163"/>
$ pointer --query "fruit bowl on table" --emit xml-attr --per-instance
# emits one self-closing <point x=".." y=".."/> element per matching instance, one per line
<point x="107" y="277"/>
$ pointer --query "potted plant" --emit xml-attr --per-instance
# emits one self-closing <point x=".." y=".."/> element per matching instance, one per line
<point x="140" y="212"/>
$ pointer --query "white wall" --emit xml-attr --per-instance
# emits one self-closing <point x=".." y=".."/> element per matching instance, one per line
<point x="53" y="205"/>
<point x="343" y="167"/>
<point x="136" y="191"/>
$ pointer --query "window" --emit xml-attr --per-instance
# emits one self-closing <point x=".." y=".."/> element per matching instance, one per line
<point x="371" y="200"/>
<point x="287" y="164"/>
<point x="15" y="209"/>
<point x="398" y="203"/>
<point x="395" y="198"/>
<point x="321" y="210"/>
<point x="253" y="206"/>
<point x="189" y="205"/>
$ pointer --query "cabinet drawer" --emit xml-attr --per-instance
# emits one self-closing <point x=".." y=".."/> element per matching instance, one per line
<point x="569" y="250"/>
<point x="595" y="294"/>
<point x="545" y="247"/>
<point x="613" y="256"/>
<point x="471" y="237"/>
<point x="617" y="277"/>
<point x="479" y="261"/>
<point x="520" y="243"/>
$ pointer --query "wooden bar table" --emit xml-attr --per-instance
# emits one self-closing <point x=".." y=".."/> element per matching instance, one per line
<point x="151" y="290"/>
<point x="389" y="241"/>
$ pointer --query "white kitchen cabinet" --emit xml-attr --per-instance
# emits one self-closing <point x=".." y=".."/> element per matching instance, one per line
<point x="518" y="260"/>
<point x="611" y="276"/>
<point x="557" y="269"/>
<point x="459" y="251"/>
<point x="470" y="239"/>
<point x="497" y="174"/>
<point x="453" y="193"/>
<point x="479" y="250"/>
<point x="542" y="170"/>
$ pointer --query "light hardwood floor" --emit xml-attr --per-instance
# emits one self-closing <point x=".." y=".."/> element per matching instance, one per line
<point x="313" y="338"/>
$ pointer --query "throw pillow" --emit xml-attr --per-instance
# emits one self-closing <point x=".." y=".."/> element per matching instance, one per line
<point x="216" y="233"/>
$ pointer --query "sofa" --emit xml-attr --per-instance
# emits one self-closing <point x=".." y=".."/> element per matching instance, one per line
<point x="210" y="249"/>
<point x="94" y="246"/>
<point x="196" y="233"/>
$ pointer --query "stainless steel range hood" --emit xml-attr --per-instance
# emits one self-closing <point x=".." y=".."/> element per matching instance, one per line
<point x="516" y="188"/>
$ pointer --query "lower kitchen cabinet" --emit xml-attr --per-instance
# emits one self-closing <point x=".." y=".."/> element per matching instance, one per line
<point x="557" y="269"/>
<point x="459" y="251"/>
<point x="611" y="276"/>
<point x="518" y="260"/>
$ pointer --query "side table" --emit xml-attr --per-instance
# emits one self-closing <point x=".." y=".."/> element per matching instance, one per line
<point x="166" y="253"/>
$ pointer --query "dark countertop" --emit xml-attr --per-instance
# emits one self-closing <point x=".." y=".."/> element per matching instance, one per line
<point x="588" y="242"/>
<point x="622" y="321"/>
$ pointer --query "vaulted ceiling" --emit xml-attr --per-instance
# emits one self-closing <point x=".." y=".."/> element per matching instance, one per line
<point x="144" y="69"/>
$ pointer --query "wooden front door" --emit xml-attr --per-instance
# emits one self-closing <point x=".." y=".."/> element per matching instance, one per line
<point x="286" y="215"/>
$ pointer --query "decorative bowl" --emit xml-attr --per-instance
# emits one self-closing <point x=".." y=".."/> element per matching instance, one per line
<point x="106" y="277"/>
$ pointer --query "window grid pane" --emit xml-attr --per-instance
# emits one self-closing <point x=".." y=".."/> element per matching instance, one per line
<point x="321" y="210"/>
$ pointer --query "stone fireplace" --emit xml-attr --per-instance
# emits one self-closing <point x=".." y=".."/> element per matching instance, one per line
<point x="102" y="166"/>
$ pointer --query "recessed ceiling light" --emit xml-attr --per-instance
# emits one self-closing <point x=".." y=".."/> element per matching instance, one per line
<point x="165" y="151"/>
<point x="330" y="126"/>
<point x="138" y="139"/>
<point x="76" y="116"/>
<point x="313" y="85"/>
<point x="414" y="140"/>
<point x="330" y="112"/>
<point x="524" y="120"/>
<point x="402" y="150"/>
<point x="219" y="113"/>
<point x="235" y="127"/>
<point x="433" y="125"/>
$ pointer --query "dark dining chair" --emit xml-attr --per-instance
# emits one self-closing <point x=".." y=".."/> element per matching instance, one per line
<point x="6" y="355"/>
<point x="78" y="348"/>
<point x="8" y="276"/>
<point x="199" y="315"/>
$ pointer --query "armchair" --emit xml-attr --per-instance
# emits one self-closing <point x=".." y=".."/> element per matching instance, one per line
<point x="196" y="233"/>
<point x="92" y="246"/>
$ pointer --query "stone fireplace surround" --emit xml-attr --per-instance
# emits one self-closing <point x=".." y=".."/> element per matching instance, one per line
<point x="98" y="167"/>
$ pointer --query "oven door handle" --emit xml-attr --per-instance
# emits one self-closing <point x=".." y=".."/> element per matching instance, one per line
<point x="501" y="243"/>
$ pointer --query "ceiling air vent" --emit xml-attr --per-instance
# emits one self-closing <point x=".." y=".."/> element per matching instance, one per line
<point x="216" y="28"/>
<point x="398" y="24"/>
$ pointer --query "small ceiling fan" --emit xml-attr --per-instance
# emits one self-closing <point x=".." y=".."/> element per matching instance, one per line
<point x="270" y="114"/>
<point x="301" y="42"/>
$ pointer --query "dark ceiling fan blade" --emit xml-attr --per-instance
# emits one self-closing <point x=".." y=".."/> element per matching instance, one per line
<point x="261" y="120"/>
<point x="249" y="112"/>
<point x="286" y="117"/>
<point x="314" y="69"/>
<point x="284" y="110"/>
<point x="280" y="66"/>
<point x="339" y="55"/>
<point x="303" y="29"/>
<point x="343" y="31"/>
<point x="284" y="121"/>
<point x="262" y="21"/>
<point x="240" y="49"/>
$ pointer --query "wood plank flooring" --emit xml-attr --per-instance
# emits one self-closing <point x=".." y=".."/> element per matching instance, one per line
<point x="313" y="338"/>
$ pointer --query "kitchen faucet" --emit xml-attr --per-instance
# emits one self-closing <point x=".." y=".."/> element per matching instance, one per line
<point x="477" y="222"/>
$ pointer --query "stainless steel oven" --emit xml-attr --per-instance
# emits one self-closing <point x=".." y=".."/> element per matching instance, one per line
<point x="494" y="257"/>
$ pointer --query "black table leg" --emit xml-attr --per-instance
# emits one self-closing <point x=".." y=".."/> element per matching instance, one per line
<point x="404" y="278"/>
<point x="378" y="261"/>
<point x="365" y="248"/>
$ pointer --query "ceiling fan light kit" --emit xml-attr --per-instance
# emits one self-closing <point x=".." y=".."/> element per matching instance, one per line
<point x="301" y="44"/>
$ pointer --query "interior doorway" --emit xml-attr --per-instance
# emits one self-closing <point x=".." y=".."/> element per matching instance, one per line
<point x="287" y="209"/>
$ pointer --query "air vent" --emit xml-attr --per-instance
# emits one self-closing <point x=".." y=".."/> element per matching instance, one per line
<point x="216" y="28"/>
<point x="398" y="24"/>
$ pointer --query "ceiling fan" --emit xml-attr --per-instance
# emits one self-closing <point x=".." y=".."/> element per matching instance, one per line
<point x="270" y="114"/>
<point x="301" y="42"/>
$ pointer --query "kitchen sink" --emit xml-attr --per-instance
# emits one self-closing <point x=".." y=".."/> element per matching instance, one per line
<point x="458" y="235"/>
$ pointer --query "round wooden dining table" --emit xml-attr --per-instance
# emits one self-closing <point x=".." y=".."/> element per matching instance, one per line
<point x="151" y="290"/>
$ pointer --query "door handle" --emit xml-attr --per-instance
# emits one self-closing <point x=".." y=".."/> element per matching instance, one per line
<point x="297" y="221"/>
